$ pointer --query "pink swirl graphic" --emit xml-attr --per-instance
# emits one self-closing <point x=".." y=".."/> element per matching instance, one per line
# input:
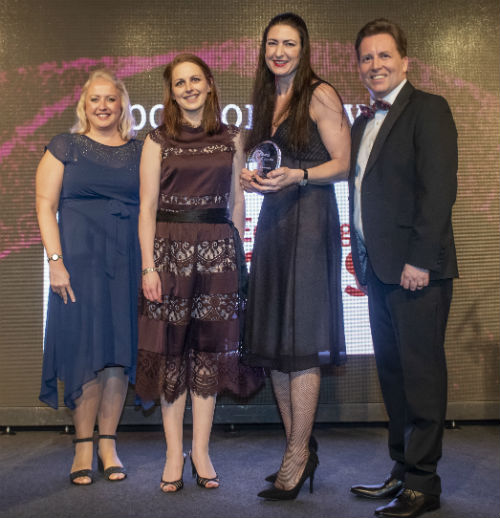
<point x="22" y="146"/>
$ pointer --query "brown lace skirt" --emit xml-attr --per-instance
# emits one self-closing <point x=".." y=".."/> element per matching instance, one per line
<point x="191" y="340"/>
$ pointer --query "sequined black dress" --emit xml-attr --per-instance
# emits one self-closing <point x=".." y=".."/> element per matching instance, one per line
<point x="98" y="211"/>
<point x="294" y="314"/>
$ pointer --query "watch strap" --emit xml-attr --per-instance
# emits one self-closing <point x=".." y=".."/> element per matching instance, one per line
<point x="304" y="181"/>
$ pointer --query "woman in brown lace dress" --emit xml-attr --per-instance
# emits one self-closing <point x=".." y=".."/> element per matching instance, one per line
<point x="192" y="260"/>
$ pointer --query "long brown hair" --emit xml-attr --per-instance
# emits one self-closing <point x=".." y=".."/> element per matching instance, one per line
<point x="172" y="115"/>
<point x="264" y="90"/>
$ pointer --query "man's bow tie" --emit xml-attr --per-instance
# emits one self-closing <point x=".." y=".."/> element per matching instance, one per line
<point x="369" y="111"/>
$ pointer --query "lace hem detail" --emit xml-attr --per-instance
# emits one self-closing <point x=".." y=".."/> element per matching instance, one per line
<point x="203" y="373"/>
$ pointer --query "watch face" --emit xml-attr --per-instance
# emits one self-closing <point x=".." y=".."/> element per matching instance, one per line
<point x="54" y="257"/>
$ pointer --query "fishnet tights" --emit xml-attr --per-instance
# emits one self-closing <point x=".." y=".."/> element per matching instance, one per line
<point x="297" y="395"/>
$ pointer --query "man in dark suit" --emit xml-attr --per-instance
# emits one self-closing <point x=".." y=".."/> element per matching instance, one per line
<point x="403" y="183"/>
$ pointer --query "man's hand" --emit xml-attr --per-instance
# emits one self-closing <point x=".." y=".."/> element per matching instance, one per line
<point x="414" y="278"/>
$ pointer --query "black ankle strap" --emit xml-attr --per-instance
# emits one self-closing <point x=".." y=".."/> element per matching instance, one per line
<point x="80" y="440"/>
<point x="107" y="437"/>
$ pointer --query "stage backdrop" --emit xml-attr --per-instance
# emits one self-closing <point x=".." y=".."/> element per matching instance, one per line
<point x="47" y="50"/>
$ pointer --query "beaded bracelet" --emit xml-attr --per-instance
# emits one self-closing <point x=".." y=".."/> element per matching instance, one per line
<point x="148" y="270"/>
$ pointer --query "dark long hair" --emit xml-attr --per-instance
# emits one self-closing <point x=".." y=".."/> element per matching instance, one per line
<point x="264" y="90"/>
<point x="172" y="115"/>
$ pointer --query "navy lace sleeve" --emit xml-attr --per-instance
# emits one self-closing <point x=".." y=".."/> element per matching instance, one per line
<point x="60" y="146"/>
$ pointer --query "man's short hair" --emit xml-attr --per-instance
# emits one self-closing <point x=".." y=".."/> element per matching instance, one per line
<point x="383" y="26"/>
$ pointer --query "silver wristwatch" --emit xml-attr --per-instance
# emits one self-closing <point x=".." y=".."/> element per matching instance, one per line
<point x="54" y="257"/>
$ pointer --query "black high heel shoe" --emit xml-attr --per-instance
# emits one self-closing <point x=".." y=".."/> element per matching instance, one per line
<point x="313" y="447"/>
<point x="113" y="469"/>
<point x="202" y="482"/>
<point x="178" y="484"/>
<point x="83" y="473"/>
<point x="277" y="494"/>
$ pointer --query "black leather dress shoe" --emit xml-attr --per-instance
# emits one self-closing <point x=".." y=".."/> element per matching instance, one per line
<point x="409" y="503"/>
<point x="389" y="488"/>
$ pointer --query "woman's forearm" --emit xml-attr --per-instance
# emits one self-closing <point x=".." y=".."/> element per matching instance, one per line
<point x="49" y="229"/>
<point x="147" y="229"/>
<point x="331" y="171"/>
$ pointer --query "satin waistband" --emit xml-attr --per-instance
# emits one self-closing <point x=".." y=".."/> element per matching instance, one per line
<point x="195" y="216"/>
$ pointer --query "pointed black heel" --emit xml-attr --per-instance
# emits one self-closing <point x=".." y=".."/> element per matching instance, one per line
<point x="313" y="447"/>
<point x="203" y="482"/>
<point x="113" y="469"/>
<point x="277" y="494"/>
<point x="83" y="473"/>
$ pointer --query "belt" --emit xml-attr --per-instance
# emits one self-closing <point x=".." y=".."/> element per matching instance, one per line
<point x="215" y="216"/>
<point x="195" y="216"/>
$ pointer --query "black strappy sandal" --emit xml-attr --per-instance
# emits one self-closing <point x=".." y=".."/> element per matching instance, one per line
<point x="200" y="481"/>
<point x="83" y="473"/>
<point x="113" y="469"/>
<point x="179" y="484"/>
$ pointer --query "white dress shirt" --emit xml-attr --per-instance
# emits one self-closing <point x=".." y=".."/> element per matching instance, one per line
<point x="370" y="134"/>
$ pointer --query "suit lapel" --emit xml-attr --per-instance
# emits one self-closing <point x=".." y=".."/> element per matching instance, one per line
<point x="396" y="110"/>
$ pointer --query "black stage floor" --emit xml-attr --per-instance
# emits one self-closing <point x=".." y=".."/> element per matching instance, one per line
<point x="34" y="482"/>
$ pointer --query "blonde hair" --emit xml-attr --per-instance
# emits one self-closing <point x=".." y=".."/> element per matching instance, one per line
<point x="126" y="121"/>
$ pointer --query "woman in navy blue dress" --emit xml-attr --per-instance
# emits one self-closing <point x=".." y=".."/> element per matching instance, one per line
<point x="87" y="196"/>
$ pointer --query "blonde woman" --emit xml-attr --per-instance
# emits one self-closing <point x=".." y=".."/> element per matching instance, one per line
<point x="87" y="197"/>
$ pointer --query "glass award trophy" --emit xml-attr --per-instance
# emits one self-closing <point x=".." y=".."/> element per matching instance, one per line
<point x="265" y="157"/>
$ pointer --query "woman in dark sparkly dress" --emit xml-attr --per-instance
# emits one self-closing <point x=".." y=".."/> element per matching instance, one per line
<point x="87" y="196"/>
<point x="294" y="318"/>
<point x="193" y="263"/>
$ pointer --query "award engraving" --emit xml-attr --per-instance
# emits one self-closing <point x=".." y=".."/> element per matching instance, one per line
<point x="265" y="157"/>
